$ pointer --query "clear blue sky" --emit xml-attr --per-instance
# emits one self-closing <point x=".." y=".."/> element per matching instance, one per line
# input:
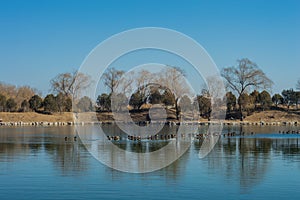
<point x="40" y="39"/>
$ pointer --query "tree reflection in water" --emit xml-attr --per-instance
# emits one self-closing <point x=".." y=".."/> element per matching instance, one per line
<point x="69" y="156"/>
<point x="245" y="160"/>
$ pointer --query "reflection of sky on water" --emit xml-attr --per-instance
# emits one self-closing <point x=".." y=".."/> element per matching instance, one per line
<point x="256" y="166"/>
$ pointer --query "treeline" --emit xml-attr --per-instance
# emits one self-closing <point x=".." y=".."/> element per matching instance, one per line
<point x="239" y="80"/>
<point x="239" y="102"/>
<point x="255" y="101"/>
<point x="65" y="87"/>
<point x="14" y="98"/>
<point x="261" y="101"/>
<point x="51" y="103"/>
<point x="247" y="76"/>
<point x="137" y="91"/>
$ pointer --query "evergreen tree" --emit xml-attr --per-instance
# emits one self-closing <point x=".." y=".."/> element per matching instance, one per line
<point x="231" y="101"/>
<point x="265" y="100"/>
<point x="277" y="99"/>
<point x="35" y="102"/>
<point x="11" y="105"/>
<point x="50" y="104"/>
<point x="103" y="102"/>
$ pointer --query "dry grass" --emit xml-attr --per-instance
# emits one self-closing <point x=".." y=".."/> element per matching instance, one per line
<point x="35" y="117"/>
<point x="266" y="116"/>
<point x="273" y="116"/>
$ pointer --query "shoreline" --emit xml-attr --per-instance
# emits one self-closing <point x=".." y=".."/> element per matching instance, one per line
<point x="90" y="118"/>
<point x="146" y="123"/>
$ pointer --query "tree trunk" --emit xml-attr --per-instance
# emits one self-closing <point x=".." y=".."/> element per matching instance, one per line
<point x="177" y="109"/>
<point x="241" y="112"/>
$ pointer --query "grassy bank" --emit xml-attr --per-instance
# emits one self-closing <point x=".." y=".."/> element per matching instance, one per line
<point x="266" y="116"/>
<point x="35" y="117"/>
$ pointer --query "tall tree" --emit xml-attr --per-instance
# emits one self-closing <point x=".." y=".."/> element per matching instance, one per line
<point x="112" y="78"/>
<point x="173" y="79"/>
<point x="70" y="84"/>
<point x="245" y="75"/>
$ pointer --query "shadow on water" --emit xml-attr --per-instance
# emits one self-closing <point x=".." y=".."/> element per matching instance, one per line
<point x="68" y="155"/>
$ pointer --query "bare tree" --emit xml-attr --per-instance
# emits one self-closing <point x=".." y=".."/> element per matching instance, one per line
<point x="244" y="76"/>
<point x="19" y="94"/>
<point x="125" y="83"/>
<point x="143" y="79"/>
<point x="8" y="90"/>
<point x="217" y="95"/>
<point x="70" y="84"/>
<point x="24" y="93"/>
<point x="173" y="79"/>
<point x="111" y="78"/>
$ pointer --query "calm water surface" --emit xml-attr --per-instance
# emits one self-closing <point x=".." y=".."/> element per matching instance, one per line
<point x="37" y="163"/>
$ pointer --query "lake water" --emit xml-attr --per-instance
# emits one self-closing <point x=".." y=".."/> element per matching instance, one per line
<point x="37" y="163"/>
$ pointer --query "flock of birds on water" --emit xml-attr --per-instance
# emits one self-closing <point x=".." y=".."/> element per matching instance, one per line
<point x="74" y="138"/>
<point x="196" y="136"/>
<point x="174" y="136"/>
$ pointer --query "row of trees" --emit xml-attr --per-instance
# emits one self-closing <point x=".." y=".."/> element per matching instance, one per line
<point x="167" y="87"/>
<point x="245" y="80"/>
<point x="262" y="101"/>
<point x="64" y="86"/>
<point x="246" y="76"/>
<point x="12" y="97"/>
<point x="50" y="103"/>
<point x="255" y="101"/>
